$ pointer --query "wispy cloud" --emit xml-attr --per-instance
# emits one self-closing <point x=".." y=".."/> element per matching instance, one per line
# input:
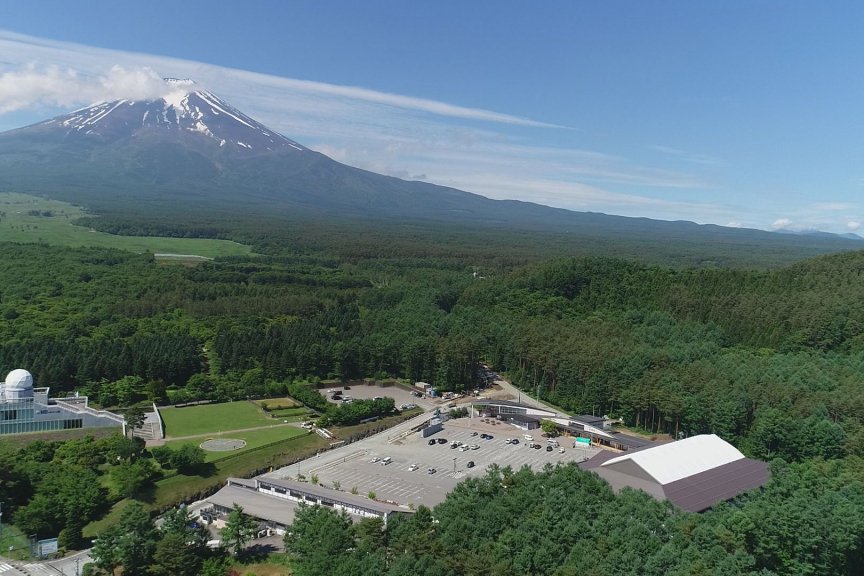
<point x="496" y="154"/>
<point x="34" y="86"/>
<point x="687" y="156"/>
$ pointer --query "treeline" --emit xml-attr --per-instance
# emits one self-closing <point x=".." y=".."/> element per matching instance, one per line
<point x="688" y="352"/>
<point x="763" y="358"/>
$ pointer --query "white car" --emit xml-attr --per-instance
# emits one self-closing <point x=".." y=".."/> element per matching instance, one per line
<point x="375" y="459"/>
<point x="474" y="446"/>
<point x="413" y="467"/>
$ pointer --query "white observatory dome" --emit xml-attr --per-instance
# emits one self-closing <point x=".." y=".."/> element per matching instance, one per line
<point x="19" y="380"/>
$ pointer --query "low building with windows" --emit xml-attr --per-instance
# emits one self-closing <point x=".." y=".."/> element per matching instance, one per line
<point x="520" y="415"/>
<point x="597" y="431"/>
<point x="273" y="501"/>
<point x="24" y="408"/>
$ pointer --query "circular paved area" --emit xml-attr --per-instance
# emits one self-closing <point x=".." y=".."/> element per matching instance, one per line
<point x="222" y="444"/>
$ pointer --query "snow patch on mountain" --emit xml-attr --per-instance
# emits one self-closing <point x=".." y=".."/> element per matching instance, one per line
<point x="182" y="107"/>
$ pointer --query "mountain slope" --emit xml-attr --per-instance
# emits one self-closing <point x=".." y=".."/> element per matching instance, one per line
<point x="191" y="152"/>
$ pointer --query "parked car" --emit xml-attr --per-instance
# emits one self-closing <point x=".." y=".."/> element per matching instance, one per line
<point x="386" y="460"/>
<point x="474" y="446"/>
<point x="473" y="433"/>
<point x="454" y="445"/>
<point x="561" y="450"/>
<point x="515" y="441"/>
<point x="548" y="448"/>
<point x="442" y="440"/>
<point x="413" y="467"/>
<point x="470" y="464"/>
<point x="375" y="459"/>
<point x="536" y="446"/>
<point x="432" y="442"/>
<point x="431" y="471"/>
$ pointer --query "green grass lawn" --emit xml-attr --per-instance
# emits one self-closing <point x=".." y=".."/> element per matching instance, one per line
<point x="254" y="439"/>
<point x="212" y="418"/>
<point x="241" y="464"/>
<point x="14" y="544"/>
<point x="53" y="225"/>
<point x="279" y="403"/>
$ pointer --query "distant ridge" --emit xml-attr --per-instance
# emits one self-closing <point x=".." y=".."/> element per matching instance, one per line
<point x="190" y="155"/>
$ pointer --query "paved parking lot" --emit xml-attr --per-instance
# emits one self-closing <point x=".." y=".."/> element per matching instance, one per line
<point x="352" y="466"/>
<point x="365" y="392"/>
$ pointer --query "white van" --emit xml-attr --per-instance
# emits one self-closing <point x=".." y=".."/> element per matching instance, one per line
<point x="386" y="460"/>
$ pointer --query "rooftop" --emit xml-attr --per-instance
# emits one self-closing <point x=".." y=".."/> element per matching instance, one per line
<point x="670" y="462"/>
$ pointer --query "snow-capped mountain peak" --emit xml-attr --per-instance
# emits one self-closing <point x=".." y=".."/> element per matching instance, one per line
<point x="183" y="109"/>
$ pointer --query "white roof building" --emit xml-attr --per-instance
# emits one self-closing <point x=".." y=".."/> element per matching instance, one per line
<point x="694" y="473"/>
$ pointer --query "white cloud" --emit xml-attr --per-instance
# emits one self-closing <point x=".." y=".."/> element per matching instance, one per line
<point x="734" y="224"/>
<point x="35" y="86"/>
<point x="781" y="223"/>
<point x="853" y="225"/>
<point x="832" y="206"/>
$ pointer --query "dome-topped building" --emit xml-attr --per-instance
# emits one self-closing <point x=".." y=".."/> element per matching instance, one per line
<point x="19" y="384"/>
<point x="25" y="408"/>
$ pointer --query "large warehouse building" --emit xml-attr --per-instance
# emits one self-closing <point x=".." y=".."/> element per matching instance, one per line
<point x="24" y="408"/>
<point x="693" y="474"/>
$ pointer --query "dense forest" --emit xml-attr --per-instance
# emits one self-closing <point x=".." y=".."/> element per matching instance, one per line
<point x="769" y="359"/>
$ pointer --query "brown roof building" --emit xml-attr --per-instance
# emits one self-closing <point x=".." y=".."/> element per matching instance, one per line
<point x="693" y="474"/>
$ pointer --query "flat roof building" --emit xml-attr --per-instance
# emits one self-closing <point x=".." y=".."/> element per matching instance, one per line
<point x="274" y="501"/>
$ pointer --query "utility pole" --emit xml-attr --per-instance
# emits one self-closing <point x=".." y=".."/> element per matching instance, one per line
<point x="454" y="465"/>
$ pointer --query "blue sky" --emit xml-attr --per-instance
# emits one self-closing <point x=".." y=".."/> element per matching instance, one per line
<point x="733" y="113"/>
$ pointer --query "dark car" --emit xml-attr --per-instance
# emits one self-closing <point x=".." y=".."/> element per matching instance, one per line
<point x="431" y="442"/>
<point x="514" y="441"/>
<point x="537" y="446"/>
<point x="470" y="464"/>
<point x="548" y="448"/>
<point x="442" y="440"/>
<point x="347" y="388"/>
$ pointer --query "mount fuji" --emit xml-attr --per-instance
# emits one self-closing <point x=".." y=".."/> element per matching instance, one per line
<point x="189" y="152"/>
<point x="190" y="149"/>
